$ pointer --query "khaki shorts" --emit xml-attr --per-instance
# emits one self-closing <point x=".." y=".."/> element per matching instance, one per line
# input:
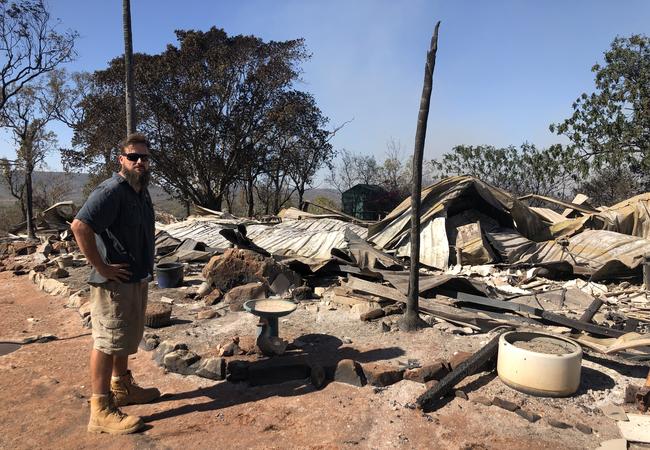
<point x="117" y="314"/>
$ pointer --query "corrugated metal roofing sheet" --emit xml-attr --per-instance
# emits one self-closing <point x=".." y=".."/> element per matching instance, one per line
<point x="309" y="238"/>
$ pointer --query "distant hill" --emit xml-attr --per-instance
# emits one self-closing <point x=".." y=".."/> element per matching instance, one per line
<point x="161" y="199"/>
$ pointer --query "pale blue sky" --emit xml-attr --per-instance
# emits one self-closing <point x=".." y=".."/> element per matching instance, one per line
<point x="505" y="69"/>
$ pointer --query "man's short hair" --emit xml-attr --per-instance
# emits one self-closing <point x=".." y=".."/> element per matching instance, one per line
<point x="134" y="139"/>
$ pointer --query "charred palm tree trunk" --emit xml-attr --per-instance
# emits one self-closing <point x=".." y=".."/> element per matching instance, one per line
<point x="128" y="67"/>
<point x="411" y="320"/>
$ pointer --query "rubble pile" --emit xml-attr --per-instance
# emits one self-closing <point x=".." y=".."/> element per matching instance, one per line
<point x="490" y="262"/>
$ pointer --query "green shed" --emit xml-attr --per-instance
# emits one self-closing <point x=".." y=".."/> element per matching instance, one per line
<point x="367" y="202"/>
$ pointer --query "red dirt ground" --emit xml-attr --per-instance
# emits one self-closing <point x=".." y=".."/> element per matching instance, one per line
<point x="44" y="392"/>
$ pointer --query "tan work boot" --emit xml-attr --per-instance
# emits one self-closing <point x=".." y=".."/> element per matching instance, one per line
<point x="127" y="392"/>
<point x="105" y="417"/>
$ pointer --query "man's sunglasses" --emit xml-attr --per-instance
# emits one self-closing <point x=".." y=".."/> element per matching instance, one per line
<point x="133" y="157"/>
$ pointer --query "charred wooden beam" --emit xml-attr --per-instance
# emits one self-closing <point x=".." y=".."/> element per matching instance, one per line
<point x="591" y="311"/>
<point x="429" y="400"/>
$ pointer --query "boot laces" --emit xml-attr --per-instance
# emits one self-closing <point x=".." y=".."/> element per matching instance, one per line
<point x="114" y="409"/>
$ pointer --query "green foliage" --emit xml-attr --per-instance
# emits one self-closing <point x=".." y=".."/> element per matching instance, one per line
<point x="218" y="109"/>
<point x="321" y="200"/>
<point x="611" y="126"/>
<point x="527" y="170"/>
<point x="610" y="185"/>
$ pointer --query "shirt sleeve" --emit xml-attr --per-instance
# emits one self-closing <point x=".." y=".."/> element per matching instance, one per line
<point x="100" y="210"/>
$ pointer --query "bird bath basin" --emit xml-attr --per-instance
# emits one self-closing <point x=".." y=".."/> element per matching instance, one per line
<point x="269" y="310"/>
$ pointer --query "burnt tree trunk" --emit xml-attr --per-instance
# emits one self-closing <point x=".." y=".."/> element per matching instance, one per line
<point x="250" y="201"/>
<point x="411" y="320"/>
<point x="29" y="218"/>
<point x="128" y="67"/>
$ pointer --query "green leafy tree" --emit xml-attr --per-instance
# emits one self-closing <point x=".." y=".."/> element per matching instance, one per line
<point x="611" y="126"/>
<point x="204" y="104"/>
<point x="523" y="170"/>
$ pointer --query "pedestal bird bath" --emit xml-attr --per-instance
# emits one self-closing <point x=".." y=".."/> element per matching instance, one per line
<point x="269" y="310"/>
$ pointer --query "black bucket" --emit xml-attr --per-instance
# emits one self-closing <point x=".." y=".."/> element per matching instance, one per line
<point x="169" y="275"/>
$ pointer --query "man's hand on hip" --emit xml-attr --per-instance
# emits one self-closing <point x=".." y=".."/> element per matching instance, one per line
<point x="114" y="272"/>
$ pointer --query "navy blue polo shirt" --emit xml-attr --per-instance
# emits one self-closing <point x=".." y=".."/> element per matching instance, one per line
<point x="123" y="222"/>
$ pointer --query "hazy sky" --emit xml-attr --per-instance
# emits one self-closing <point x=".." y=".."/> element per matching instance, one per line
<point x="505" y="69"/>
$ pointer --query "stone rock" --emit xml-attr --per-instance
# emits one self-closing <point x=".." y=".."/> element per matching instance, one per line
<point x="24" y="248"/>
<point x="40" y="268"/>
<point x="302" y="293"/>
<point x="84" y="310"/>
<point x="280" y="285"/>
<point x="397" y="308"/>
<point x="457" y="359"/>
<point x="461" y="394"/>
<point x="586" y="429"/>
<point x="149" y="341"/>
<point x="382" y="374"/>
<point x="385" y="326"/>
<point x="229" y="349"/>
<point x="166" y="347"/>
<point x="39" y="259"/>
<point x="76" y="300"/>
<point x="528" y="415"/>
<point x="59" y="273"/>
<point x="350" y="372"/>
<point x="505" y="404"/>
<point x="15" y="267"/>
<point x="360" y="309"/>
<point x="271" y="345"/>
<point x="237" y="267"/>
<point x="237" y="296"/>
<point x="207" y="314"/>
<point x="558" y="424"/>
<point x="247" y="345"/>
<point x="53" y="287"/>
<point x="213" y="297"/>
<point x="212" y="368"/>
<point x="237" y="370"/>
<point x="180" y="361"/>
<point x="319" y="291"/>
<point x="317" y="376"/>
<point x="434" y="371"/>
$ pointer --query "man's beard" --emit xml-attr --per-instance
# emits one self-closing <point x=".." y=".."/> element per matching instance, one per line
<point x="137" y="180"/>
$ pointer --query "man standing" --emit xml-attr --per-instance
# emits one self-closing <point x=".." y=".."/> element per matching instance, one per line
<point x="115" y="231"/>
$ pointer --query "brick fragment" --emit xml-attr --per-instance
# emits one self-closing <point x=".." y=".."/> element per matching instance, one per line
<point x="382" y="374"/>
<point x="528" y="415"/>
<point x="558" y="424"/>
<point x="458" y="359"/>
<point x="435" y="371"/>
<point x="505" y="404"/>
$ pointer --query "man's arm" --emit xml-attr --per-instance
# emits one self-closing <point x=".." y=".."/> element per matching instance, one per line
<point x="85" y="237"/>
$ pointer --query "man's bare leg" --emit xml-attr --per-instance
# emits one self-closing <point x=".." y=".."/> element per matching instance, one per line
<point x="120" y="365"/>
<point x="104" y="416"/>
<point x="101" y="366"/>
